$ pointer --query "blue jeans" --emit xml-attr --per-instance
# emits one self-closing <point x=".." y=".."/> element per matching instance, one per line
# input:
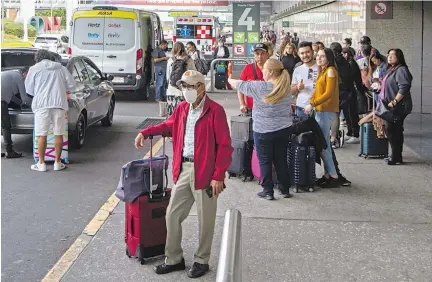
<point x="160" y="89"/>
<point x="324" y="120"/>
<point x="272" y="149"/>
<point x="300" y="112"/>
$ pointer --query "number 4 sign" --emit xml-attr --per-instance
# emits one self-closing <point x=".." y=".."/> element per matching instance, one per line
<point x="248" y="15"/>
<point x="245" y="20"/>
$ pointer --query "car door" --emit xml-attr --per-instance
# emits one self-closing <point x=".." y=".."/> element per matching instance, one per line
<point x="90" y="92"/>
<point x="104" y="95"/>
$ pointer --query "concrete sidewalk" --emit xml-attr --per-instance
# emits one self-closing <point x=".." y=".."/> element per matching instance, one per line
<point x="379" y="229"/>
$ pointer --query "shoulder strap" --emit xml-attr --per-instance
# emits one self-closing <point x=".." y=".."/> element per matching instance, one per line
<point x="254" y="71"/>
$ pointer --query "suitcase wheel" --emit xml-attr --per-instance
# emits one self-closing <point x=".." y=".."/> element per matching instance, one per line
<point x="311" y="189"/>
<point x="251" y="178"/>
<point x="244" y="179"/>
<point x="128" y="252"/>
<point x="142" y="261"/>
<point x="366" y="157"/>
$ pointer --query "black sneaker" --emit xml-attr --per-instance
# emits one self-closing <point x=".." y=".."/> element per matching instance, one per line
<point x="266" y="196"/>
<point x="320" y="181"/>
<point x="198" y="270"/>
<point x="13" y="155"/>
<point x="167" y="268"/>
<point x="343" y="181"/>
<point x="330" y="183"/>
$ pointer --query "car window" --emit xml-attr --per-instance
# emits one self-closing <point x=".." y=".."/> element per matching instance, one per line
<point x="46" y="40"/>
<point x="17" y="59"/>
<point x="75" y="73"/>
<point x="92" y="72"/>
<point x="82" y="71"/>
<point x="65" y="39"/>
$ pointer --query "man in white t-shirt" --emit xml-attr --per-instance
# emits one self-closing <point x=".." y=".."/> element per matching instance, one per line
<point x="304" y="78"/>
<point x="303" y="86"/>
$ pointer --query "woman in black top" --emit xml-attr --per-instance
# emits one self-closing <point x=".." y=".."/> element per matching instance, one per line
<point x="289" y="58"/>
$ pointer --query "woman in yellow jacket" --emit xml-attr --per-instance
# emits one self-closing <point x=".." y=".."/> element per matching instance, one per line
<point x="325" y="100"/>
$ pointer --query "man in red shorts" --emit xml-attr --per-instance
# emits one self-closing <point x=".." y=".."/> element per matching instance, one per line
<point x="253" y="71"/>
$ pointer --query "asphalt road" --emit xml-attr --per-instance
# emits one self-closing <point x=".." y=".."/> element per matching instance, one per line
<point x="43" y="213"/>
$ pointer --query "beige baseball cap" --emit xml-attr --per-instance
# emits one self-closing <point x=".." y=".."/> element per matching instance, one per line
<point x="191" y="77"/>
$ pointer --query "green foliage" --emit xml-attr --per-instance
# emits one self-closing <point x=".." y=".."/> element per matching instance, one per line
<point x="55" y="13"/>
<point x="18" y="30"/>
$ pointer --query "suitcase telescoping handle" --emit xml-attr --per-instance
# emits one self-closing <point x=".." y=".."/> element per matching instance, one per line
<point x="163" y="167"/>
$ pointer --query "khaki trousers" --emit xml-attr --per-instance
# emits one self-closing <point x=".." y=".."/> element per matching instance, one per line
<point x="182" y="199"/>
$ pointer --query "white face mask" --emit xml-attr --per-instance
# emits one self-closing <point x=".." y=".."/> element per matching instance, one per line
<point x="190" y="95"/>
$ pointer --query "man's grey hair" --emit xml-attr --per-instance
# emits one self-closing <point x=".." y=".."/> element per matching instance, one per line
<point x="42" y="54"/>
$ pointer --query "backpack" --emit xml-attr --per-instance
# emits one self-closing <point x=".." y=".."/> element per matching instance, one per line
<point x="345" y="74"/>
<point x="178" y="68"/>
<point x="201" y="65"/>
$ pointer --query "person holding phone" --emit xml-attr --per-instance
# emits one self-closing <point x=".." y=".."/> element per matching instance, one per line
<point x="201" y="156"/>
<point x="304" y="78"/>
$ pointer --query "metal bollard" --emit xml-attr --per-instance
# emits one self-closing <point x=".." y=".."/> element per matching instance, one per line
<point x="230" y="266"/>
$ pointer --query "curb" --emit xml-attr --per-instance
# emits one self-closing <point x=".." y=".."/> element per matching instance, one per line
<point x="62" y="266"/>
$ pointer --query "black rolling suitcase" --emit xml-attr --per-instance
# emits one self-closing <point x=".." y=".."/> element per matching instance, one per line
<point x="221" y="81"/>
<point x="242" y="142"/>
<point x="301" y="162"/>
<point x="241" y="164"/>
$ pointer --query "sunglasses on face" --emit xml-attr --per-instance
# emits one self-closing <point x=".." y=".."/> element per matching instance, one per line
<point x="310" y="74"/>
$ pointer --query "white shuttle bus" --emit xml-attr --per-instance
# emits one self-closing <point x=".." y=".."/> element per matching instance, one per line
<point x="120" y="42"/>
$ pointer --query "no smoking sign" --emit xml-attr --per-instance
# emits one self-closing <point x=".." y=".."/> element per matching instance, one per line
<point x="382" y="10"/>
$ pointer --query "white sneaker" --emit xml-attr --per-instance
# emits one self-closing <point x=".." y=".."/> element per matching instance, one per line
<point x="59" y="166"/>
<point x="39" y="167"/>
<point x="353" y="140"/>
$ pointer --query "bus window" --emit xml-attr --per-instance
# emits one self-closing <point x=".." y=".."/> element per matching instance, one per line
<point x="89" y="33"/>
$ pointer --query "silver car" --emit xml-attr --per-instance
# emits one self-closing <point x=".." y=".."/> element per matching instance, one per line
<point x="93" y="101"/>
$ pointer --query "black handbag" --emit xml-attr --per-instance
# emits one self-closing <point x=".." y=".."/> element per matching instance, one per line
<point x="362" y="104"/>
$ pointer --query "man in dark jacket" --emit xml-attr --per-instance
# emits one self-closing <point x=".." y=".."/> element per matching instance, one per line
<point x="12" y="83"/>
<point x="347" y="101"/>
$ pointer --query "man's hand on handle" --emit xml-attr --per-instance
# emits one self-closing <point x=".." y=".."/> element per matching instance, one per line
<point x="139" y="141"/>
<point x="218" y="187"/>
<point x="243" y="109"/>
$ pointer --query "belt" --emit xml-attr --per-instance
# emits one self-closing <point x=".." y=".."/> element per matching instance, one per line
<point x="187" y="160"/>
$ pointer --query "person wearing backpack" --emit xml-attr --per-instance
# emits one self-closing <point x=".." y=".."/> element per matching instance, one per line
<point x="346" y="90"/>
<point x="200" y="63"/>
<point x="178" y="64"/>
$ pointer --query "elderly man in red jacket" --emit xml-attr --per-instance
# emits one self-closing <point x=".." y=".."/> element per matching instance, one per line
<point x="201" y="155"/>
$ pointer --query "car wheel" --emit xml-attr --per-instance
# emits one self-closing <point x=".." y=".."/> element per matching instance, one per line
<point x="108" y="119"/>
<point x="80" y="132"/>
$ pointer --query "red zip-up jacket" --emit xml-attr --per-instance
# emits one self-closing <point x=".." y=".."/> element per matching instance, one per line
<point x="212" y="146"/>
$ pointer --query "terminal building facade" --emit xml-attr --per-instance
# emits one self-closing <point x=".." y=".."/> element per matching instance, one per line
<point x="399" y="24"/>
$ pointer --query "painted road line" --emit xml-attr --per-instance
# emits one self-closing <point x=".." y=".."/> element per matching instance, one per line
<point x="72" y="254"/>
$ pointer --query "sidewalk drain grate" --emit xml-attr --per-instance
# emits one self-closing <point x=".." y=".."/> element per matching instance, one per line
<point x="150" y="121"/>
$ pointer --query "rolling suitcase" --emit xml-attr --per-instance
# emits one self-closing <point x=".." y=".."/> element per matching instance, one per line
<point x="145" y="227"/>
<point x="256" y="170"/>
<point x="370" y="144"/>
<point x="221" y="81"/>
<point x="242" y="127"/>
<point x="50" y="150"/>
<point x="241" y="160"/>
<point x="302" y="159"/>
